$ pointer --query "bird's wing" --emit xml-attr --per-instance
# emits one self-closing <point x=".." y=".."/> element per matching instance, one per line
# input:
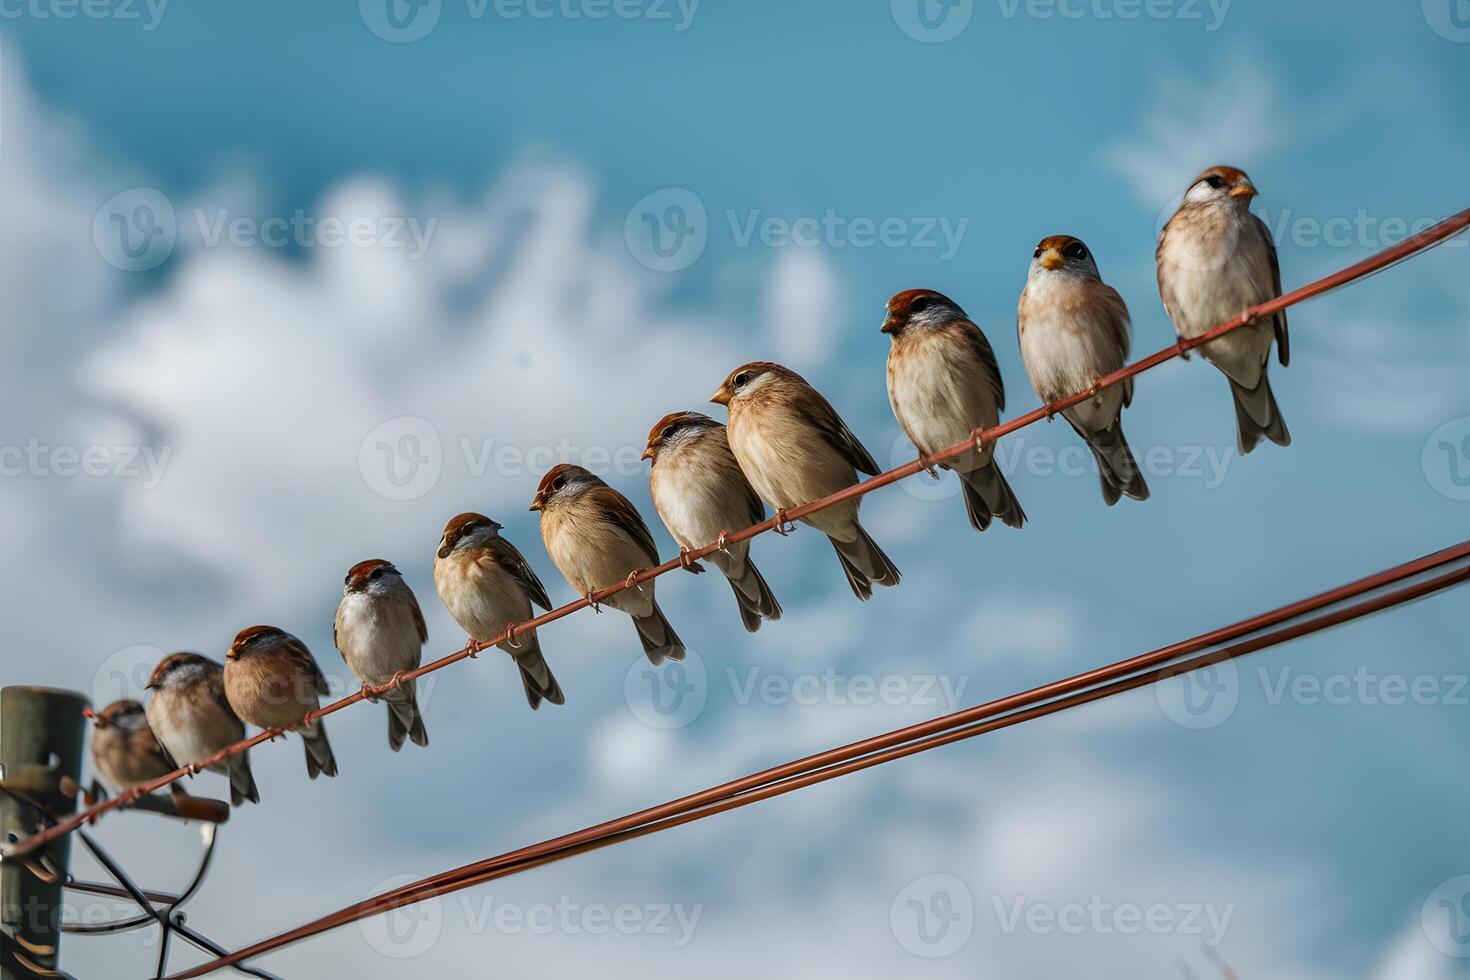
<point x="307" y="663"/>
<point x="418" y="616"/>
<point x="514" y="564"/>
<point x="1278" y="322"/>
<point x="613" y="508"/>
<point x="819" y="414"/>
<point x="979" y="346"/>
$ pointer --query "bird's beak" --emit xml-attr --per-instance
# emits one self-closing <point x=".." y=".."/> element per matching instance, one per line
<point x="1243" y="189"/>
<point x="890" y="325"/>
<point x="1051" y="259"/>
<point x="721" y="397"/>
<point x="537" y="502"/>
<point x="647" y="453"/>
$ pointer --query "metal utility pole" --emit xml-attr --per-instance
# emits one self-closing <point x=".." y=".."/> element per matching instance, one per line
<point x="41" y="735"/>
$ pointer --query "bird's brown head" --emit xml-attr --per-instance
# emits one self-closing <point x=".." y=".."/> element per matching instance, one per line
<point x="673" y="426"/>
<point x="177" y="665"/>
<point x="1221" y="183"/>
<point x="126" y="713"/>
<point x="749" y="378"/>
<point x="561" y="482"/>
<point x="465" y="527"/>
<point x="1063" y="253"/>
<point x="362" y="575"/>
<point x="254" y="639"/>
<point x="919" y="307"/>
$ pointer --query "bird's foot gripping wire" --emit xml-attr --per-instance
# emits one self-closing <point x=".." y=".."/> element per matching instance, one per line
<point x="722" y="542"/>
<point x="510" y="636"/>
<point x="784" y="524"/>
<point x="684" y="560"/>
<point x="631" y="582"/>
<point x="592" y="603"/>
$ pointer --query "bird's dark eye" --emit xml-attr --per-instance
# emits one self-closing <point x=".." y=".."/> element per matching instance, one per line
<point x="921" y="304"/>
<point x="377" y="573"/>
<point x="1076" y="250"/>
<point x="741" y="379"/>
<point x="1036" y="254"/>
<point x="1215" y="181"/>
<point x="558" y="483"/>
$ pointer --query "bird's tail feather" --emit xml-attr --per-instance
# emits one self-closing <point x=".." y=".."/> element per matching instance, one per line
<point x="1257" y="416"/>
<point x="660" y="642"/>
<point x="404" y="719"/>
<point x="319" y="758"/>
<point x="756" y="600"/>
<point x="988" y="495"/>
<point x="242" y="782"/>
<point x="865" y="564"/>
<point x="536" y="674"/>
<point x="1117" y="469"/>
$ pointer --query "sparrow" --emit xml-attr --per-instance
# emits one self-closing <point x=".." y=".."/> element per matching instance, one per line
<point x="793" y="448"/>
<point x="124" y="749"/>
<point x="1215" y="258"/>
<point x="272" y="680"/>
<point x="1073" y="329"/>
<point x="486" y="584"/>
<point x="596" y="539"/>
<point x="943" y="383"/>
<point x="701" y="495"/>
<point x="193" y="720"/>
<point x="380" y="633"/>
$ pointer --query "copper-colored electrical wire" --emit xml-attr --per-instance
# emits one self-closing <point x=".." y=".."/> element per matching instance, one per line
<point x="1351" y="602"/>
<point x="1428" y="238"/>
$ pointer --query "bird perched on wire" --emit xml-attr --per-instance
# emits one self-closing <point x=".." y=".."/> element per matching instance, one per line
<point x="125" y="751"/>
<point x="596" y="539"/>
<point x="192" y="719"/>
<point x="793" y="448"/>
<point x="1215" y="258"/>
<point x="380" y="632"/>
<point x="1073" y="330"/>
<point x="272" y="681"/>
<point x="943" y="383"/>
<point x="486" y="585"/>
<point x="700" y="494"/>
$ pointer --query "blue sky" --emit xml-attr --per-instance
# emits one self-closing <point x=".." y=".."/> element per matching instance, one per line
<point x="500" y="312"/>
